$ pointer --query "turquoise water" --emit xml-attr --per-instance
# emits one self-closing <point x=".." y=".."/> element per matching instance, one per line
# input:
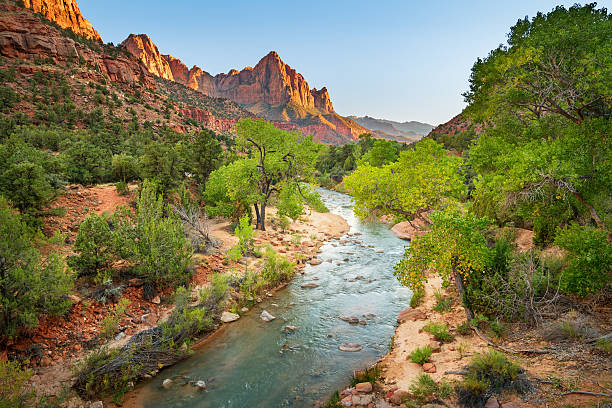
<point x="255" y="364"/>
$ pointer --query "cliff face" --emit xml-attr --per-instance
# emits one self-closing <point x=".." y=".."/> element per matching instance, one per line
<point x="22" y="35"/>
<point x="66" y="14"/>
<point x="141" y="47"/>
<point x="271" y="89"/>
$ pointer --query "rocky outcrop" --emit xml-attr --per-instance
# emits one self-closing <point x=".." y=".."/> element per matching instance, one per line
<point x="23" y="35"/>
<point x="209" y="120"/>
<point x="141" y="47"/>
<point x="271" y="89"/>
<point x="66" y="14"/>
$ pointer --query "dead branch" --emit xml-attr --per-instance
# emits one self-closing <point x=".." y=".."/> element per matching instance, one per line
<point x="506" y="350"/>
<point x="597" y="394"/>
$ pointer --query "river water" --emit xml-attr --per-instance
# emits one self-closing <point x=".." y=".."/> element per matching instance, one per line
<point x="252" y="363"/>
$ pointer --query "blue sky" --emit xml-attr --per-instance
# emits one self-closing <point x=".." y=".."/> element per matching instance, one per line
<point x="398" y="60"/>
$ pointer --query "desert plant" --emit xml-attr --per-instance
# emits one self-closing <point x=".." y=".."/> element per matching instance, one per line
<point x="110" y="324"/>
<point x="417" y="296"/>
<point x="13" y="378"/>
<point x="438" y="330"/>
<point x="276" y="268"/>
<point x="421" y="355"/>
<point x="216" y="291"/>
<point x="464" y="328"/>
<point x="442" y="304"/>
<point x="425" y="389"/>
<point x="370" y="374"/>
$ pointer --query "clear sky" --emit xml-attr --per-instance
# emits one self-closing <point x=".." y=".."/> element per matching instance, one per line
<point x="398" y="60"/>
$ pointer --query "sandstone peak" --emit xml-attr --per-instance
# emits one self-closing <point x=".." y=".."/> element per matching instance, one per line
<point x="141" y="47"/>
<point x="66" y="14"/>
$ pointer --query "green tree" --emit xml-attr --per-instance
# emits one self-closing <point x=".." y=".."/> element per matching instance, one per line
<point x="207" y="155"/>
<point x="274" y="159"/>
<point x="124" y="167"/>
<point x="455" y="247"/>
<point x="245" y="233"/>
<point x="382" y="152"/>
<point x="94" y="246"/>
<point x="30" y="284"/>
<point x="165" y="163"/>
<point x="85" y="162"/>
<point x="423" y="179"/>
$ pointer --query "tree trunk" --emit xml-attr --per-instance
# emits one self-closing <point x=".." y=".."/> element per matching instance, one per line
<point x="461" y="289"/>
<point x="257" y="216"/>
<point x="262" y="217"/>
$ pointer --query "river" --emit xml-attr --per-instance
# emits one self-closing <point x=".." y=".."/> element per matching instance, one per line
<point x="252" y="363"/>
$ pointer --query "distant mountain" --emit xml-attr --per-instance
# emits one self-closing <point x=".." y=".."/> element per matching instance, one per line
<point x="272" y="90"/>
<point x="406" y="132"/>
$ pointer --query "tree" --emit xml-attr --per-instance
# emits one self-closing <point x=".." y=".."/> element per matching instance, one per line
<point x="423" y="179"/>
<point x="124" y="167"/>
<point x="207" y="155"/>
<point x="274" y="159"/>
<point x="382" y="152"/>
<point x="165" y="163"/>
<point x="558" y="63"/>
<point x="455" y="247"/>
<point x="244" y="232"/>
<point x="94" y="246"/>
<point x="30" y="284"/>
<point x="85" y="162"/>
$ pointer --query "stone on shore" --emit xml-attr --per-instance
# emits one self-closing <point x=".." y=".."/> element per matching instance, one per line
<point x="363" y="387"/>
<point x="228" y="317"/>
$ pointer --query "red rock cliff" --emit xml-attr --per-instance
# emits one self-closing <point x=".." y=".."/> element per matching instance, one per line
<point x="141" y="47"/>
<point x="66" y="14"/>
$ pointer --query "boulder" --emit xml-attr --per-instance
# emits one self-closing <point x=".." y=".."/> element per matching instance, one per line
<point x="363" y="387"/>
<point x="310" y="285"/>
<point x="361" y="400"/>
<point x="266" y="316"/>
<point x="350" y="347"/>
<point x="315" y="261"/>
<point x="228" y="317"/>
<point x="399" y="396"/>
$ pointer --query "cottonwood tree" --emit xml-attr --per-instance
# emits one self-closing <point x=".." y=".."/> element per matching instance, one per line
<point x="274" y="159"/>
<point x="423" y="179"/>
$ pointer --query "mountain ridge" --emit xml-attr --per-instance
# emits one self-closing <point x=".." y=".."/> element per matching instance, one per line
<point x="407" y="132"/>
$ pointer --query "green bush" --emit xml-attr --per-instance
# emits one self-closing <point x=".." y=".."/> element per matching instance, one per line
<point x="154" y="239"/>
<point x="122" y="188"/>
<point x="276" y="268"/>
<point x="110" y="324"/>
<point x="13" y="378"/>
<point x="85" y="162"/>
<point x="421" y="355"/>
<point x="425" y="389"/>
<point x="588" y="259"/>
<point x="30" y="284"/>
<point x="488" y="373"/>
<point x="124" y="167"/>
<point x="216" y="291"/>
<point x="370" y="374"/>
<point x="94" y="246"/>
<point x="442" y="304"/>
<point x="464" y="328"/>
<point x="438" y="330"/>
<point x="417" y="296"/>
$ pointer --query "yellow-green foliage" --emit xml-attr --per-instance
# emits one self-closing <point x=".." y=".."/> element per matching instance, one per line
<point x="13" y="377"/>
<point x="438" y="330"/>
<point x="110" y="324"/>
<point x="421" y="355"/>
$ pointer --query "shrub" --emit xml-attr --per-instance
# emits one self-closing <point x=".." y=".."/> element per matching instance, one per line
<point x="85" y="162"/>
<point x="154" y="239"/>
<point x="110" y="324"/>
<point x="94" y="246"/>
<point x="464" y="328"/>
<point x="438" y="330"/>
<point x="122" y="188"/>
<point x="276" y="268"/>
<point x="30" y="284"/>
<point x="421" y="355"/>
<point x="604" y="345"/>
<point x="497" y="328"/>
<point x="589" y="259"/>
<point x="417" y="297"/>
<point x="443" y="304"/>
<point x="425" y="389"/>
<point x="124" y="167"/>
<point x="13" y="378"/>
<point x="488" y="373"/>
<point x="216" y="291"/>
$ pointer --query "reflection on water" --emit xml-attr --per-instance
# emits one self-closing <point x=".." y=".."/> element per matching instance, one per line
<point x="255" y="364"/>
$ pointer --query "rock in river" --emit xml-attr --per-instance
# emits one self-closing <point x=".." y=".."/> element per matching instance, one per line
<point x="350" y="347"/>
<point x="227" y="317"/>
<point x="266" y="317"/>
<point x="316" y="261"/>
<point x="309" y="285"/>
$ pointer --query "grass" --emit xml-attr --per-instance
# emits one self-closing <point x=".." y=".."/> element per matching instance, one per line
<point x="604" y="345"/>
<point x="464" y="328"/>
<point x="417" y="297"/>
<point x="425" y="389"/>
<point x="439" y="331"/>
<point x="442" y="304"/>
<point x="421" y="355"/>
<point x="370" y="375"/>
